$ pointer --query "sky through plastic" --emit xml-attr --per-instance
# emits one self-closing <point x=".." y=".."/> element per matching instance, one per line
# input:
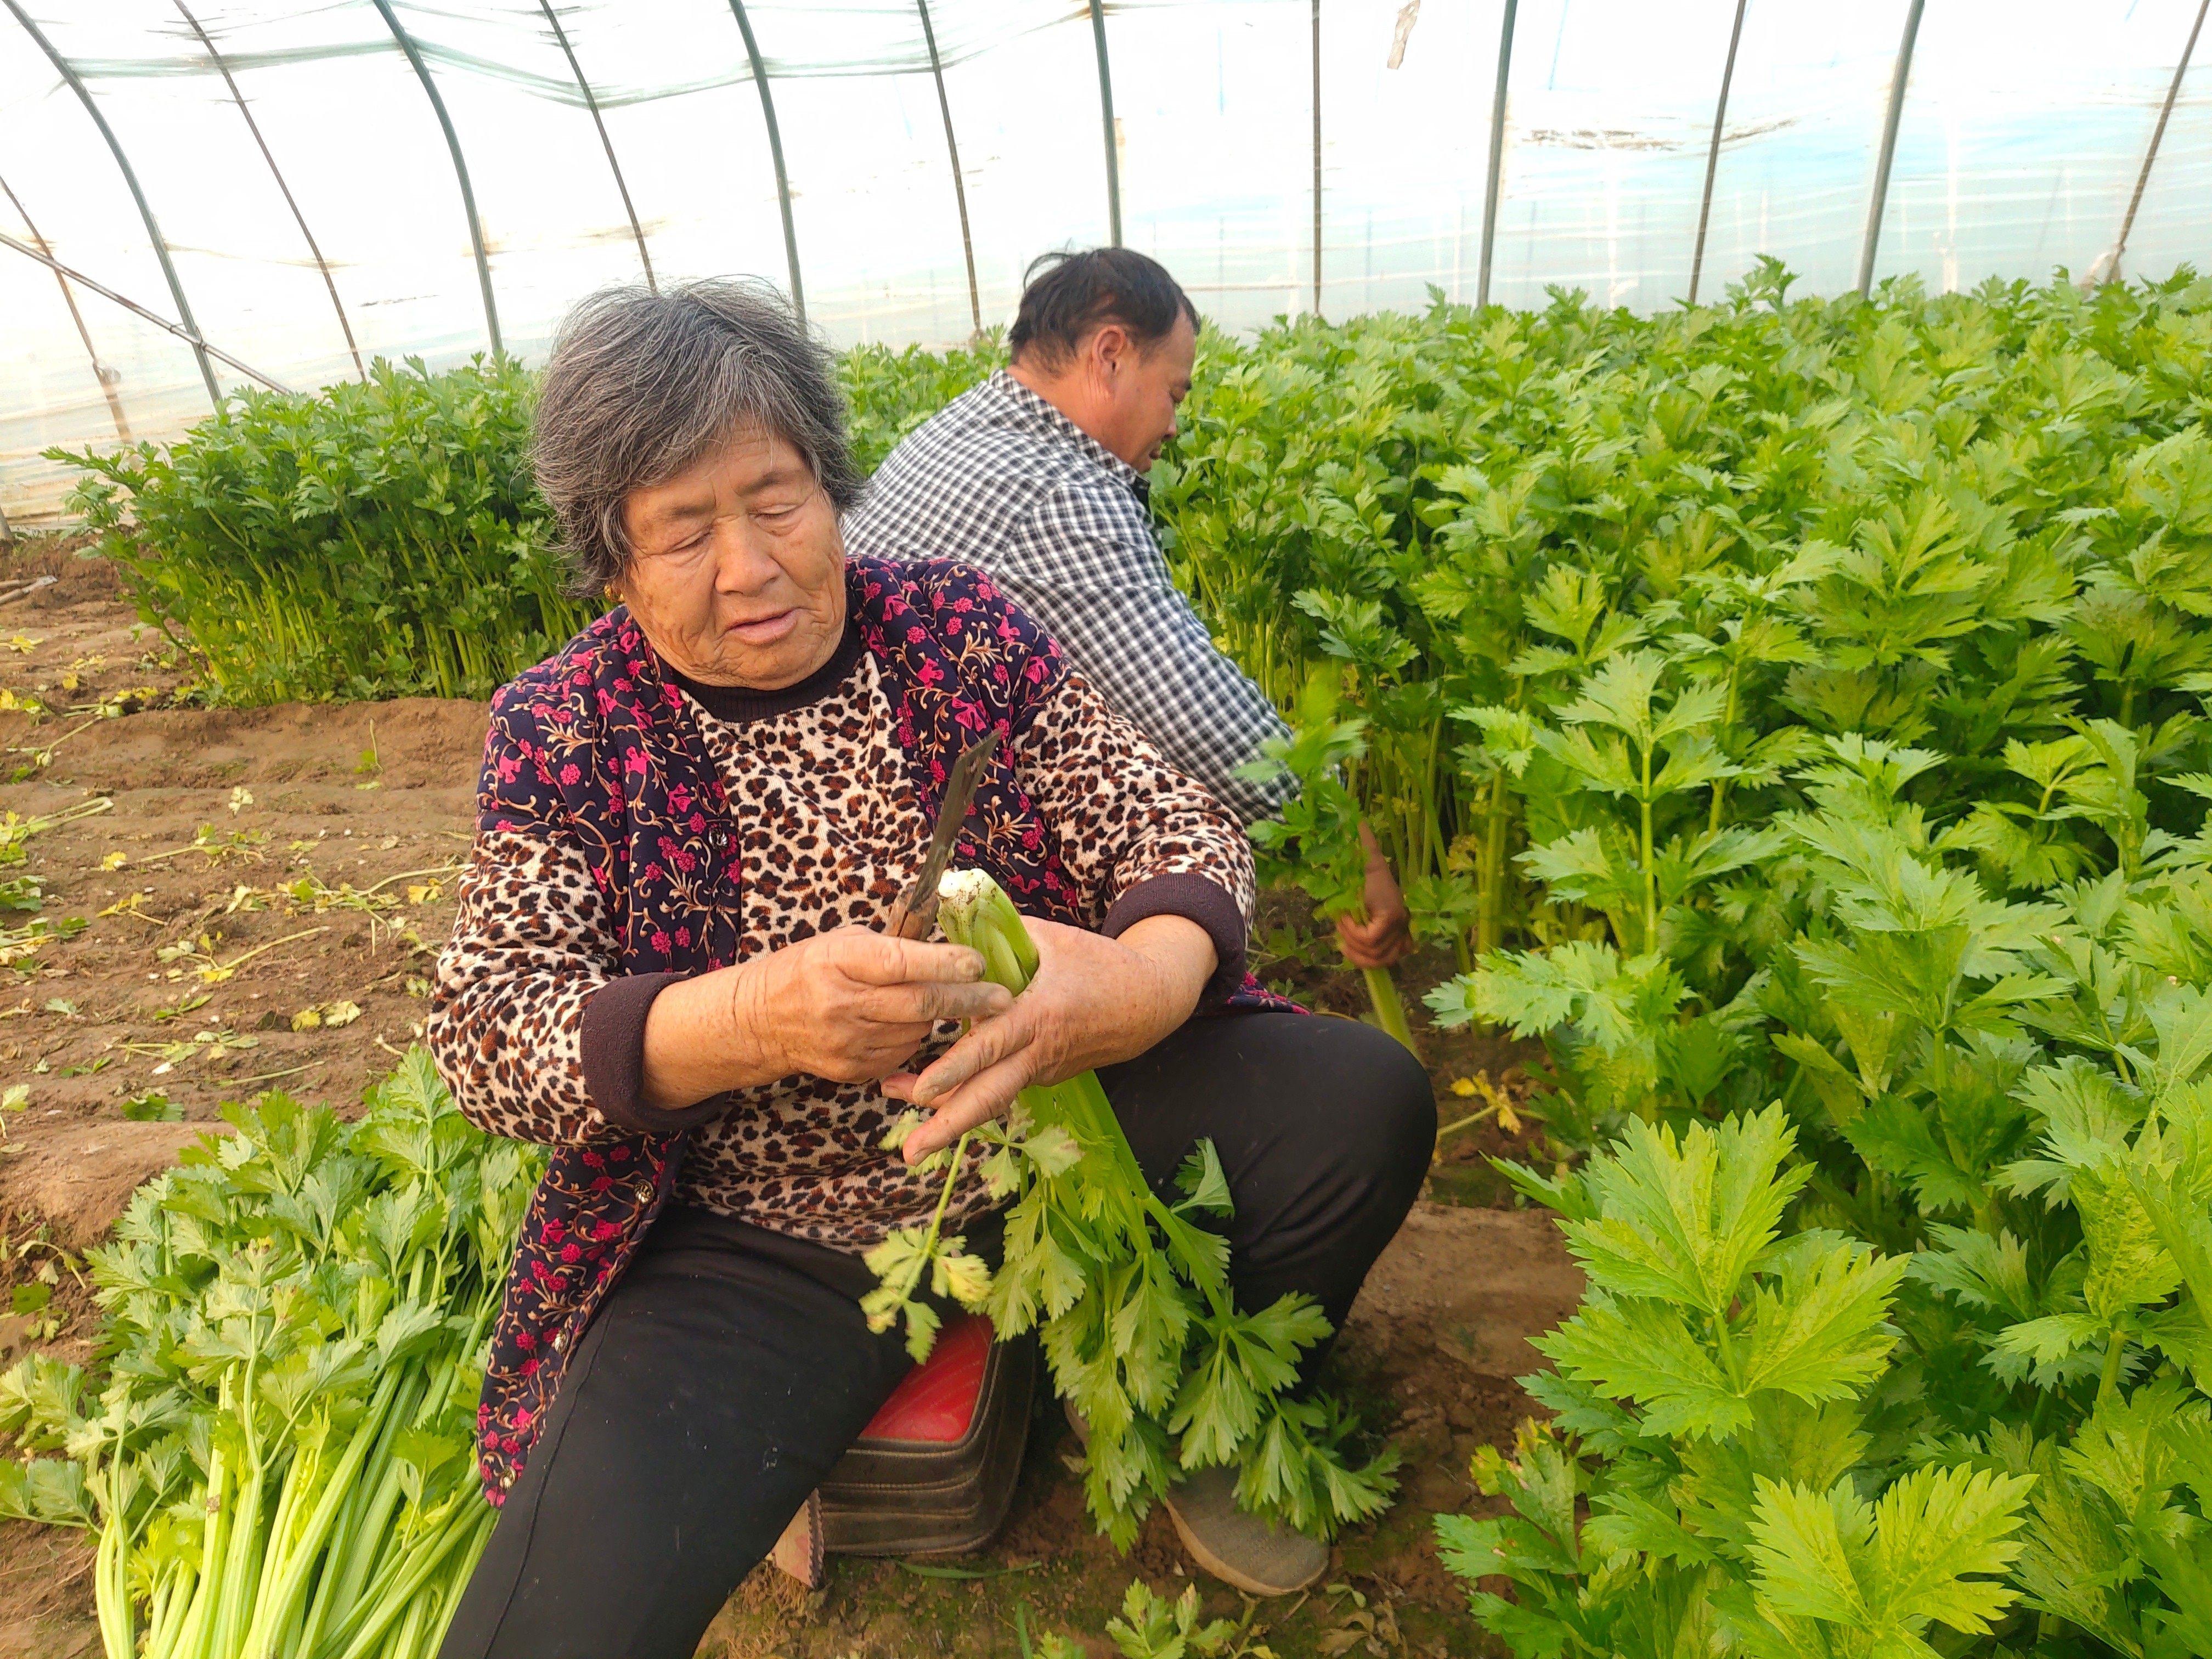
<point x="311" y="194"/>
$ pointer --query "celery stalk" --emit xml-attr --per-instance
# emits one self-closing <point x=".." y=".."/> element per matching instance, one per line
<point x="1131" y="1295"/>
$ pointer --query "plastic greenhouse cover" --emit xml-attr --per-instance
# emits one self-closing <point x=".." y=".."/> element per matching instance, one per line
<point x="2023" y="132"/>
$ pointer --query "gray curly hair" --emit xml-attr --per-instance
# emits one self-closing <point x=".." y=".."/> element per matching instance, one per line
<point x="641" y="385"/>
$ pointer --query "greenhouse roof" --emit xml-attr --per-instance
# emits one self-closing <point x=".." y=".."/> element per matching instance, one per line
<point x="200" y="194"/>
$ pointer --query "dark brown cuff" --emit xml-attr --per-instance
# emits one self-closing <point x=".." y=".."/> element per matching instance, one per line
<point x="614" y="1058"/>
<point x="1196" y="899"/>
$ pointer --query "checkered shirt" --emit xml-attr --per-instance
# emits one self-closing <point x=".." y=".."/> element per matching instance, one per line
<point x="1001" y="479"/>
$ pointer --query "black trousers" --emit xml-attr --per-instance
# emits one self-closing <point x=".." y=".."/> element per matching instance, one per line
<point x="731" y="1368"/>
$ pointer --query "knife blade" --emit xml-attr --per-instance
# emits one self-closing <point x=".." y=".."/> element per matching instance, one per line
<point x="916" y="913"/>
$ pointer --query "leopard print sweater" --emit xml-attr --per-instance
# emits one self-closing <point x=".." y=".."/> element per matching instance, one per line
<point x="829" y="833"/>
<point x="602" y="805"/>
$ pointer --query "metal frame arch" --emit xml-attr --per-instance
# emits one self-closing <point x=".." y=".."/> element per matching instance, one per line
<point x="1496" y="171"/>
<point x="106" y="376"/>
<point x="1713" y="154"/>
<point x="69" y="73"/>
<point x="1316" y="157"/>
<point x="952" y="148"/>
<point x="1106" y="116"/>
<point x="298" y="218"/>
<point x="2158" y="135"/>
<point x="191" y="337"/>
<point x="1899" y="76"/>
<point x="775" y="154"/>
<point x="607" y="143"/>
<point x="460" y="165"/>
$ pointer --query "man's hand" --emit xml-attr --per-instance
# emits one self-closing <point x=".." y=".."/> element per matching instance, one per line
<point x="850" y="1005"/>
<point x="1093" y="1001"/>
<point x="1386" y="934"/>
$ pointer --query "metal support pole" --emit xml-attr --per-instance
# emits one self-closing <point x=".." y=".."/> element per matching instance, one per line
<point x="1317" y="155"/>
<point x="69" y="73"/>
<point x="190" y="337"/>
<point x="775" y="154"/>
<point x="1106" y="115"/>
<point x="2158" y="133"/>
<point x="591" y="103"/>
<point x="1897" y="80"/>
<point x="1497" y="153"/>
<point x="460" y="168"/>
<point x="100" y="372"/>
<point x="298" y="217"/>
<point x="1713" y="154"/>
<point x="952" y="150"/>
<point x="7" y="536"/>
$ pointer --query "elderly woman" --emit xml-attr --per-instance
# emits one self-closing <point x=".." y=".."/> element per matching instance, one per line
<point x="670" y="966"/>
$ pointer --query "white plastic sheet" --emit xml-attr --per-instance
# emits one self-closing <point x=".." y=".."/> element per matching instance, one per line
<point x="2022" y="135"/>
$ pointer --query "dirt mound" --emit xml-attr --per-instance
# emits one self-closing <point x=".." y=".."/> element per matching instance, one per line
<point x="1477" y="1283"/>
<point x="45" y="1593"/>
<point x="413" y="744"/>
<point x="78" y="1178"/>
<point x="220" y="900"/>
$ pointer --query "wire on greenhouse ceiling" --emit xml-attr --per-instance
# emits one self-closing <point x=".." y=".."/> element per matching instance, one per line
<point x="952" y="148"/>
<point x="1106" y="115"/>
<point x="460" y="166"/>
<point x="1497" y="153"/>
<point x="191" y="337"/>
<point x="107" y="377"/>
<point x="69" y="73"/>
<point x="2158" y="133"/>
<point x="774" y="154"/>
<point x="591" y="103"/>
<point x="298" y="217"/>
<point x="1317" y="155"/>
<point x="1899" y="76"/>
<point x="1713" y="154"/>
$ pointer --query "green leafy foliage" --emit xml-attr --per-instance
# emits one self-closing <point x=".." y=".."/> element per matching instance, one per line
<point x="1129" y="1294"/>
<point x="1870" y="893"/>
<point x="381" y="538"/>
<point x="386" y="539"/>
<point x="890" y="392"/>
<point x="1724" y="1408"/>
<point x="276" y="1451"/>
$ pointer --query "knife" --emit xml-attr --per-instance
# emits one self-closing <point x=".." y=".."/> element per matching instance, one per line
<point x="916" y="913"/>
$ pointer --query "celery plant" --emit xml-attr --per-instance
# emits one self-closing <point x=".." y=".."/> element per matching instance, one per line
<point x="1130" y="1295"/>
<point x="278" y="1458"/>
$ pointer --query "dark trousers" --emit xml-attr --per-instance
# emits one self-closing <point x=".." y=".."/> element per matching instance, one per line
<point x="731" y="1368"/>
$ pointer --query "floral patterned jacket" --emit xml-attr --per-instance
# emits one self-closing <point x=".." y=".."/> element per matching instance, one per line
<point x="597" y="746"/>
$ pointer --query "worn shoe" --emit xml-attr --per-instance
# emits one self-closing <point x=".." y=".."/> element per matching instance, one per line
<point x="1241" y="1550"/>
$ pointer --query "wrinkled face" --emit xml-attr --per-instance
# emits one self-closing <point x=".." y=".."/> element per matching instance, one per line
<point x="736" y="571"/>
<point x="1145" y="386"/>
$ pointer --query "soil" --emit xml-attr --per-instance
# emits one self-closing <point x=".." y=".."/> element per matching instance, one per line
<point x="261" y="893"/>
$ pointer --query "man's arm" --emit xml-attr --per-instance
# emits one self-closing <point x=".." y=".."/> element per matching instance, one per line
<point x="1095" y="577"/>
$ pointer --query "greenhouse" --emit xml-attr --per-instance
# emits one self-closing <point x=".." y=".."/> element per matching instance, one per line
<point x="303" y="189"/>
<point x="1187" y="829"/>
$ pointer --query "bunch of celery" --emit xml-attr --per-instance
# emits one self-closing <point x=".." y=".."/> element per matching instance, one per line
<point x="279" y="1461"/>
<point x="1129" y="1292"/>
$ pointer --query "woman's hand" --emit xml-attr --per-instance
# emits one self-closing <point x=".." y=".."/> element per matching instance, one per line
<point x="1093" y="1001"/>
<point x="849" y="1006"/>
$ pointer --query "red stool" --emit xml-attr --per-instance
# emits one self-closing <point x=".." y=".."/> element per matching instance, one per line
<point x="935" y="1470"/>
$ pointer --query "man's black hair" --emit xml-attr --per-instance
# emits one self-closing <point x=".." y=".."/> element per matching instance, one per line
<point x="1065" y="296"/>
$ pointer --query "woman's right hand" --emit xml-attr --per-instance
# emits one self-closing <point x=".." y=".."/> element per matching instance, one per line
<point x="852" y="1005"/>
